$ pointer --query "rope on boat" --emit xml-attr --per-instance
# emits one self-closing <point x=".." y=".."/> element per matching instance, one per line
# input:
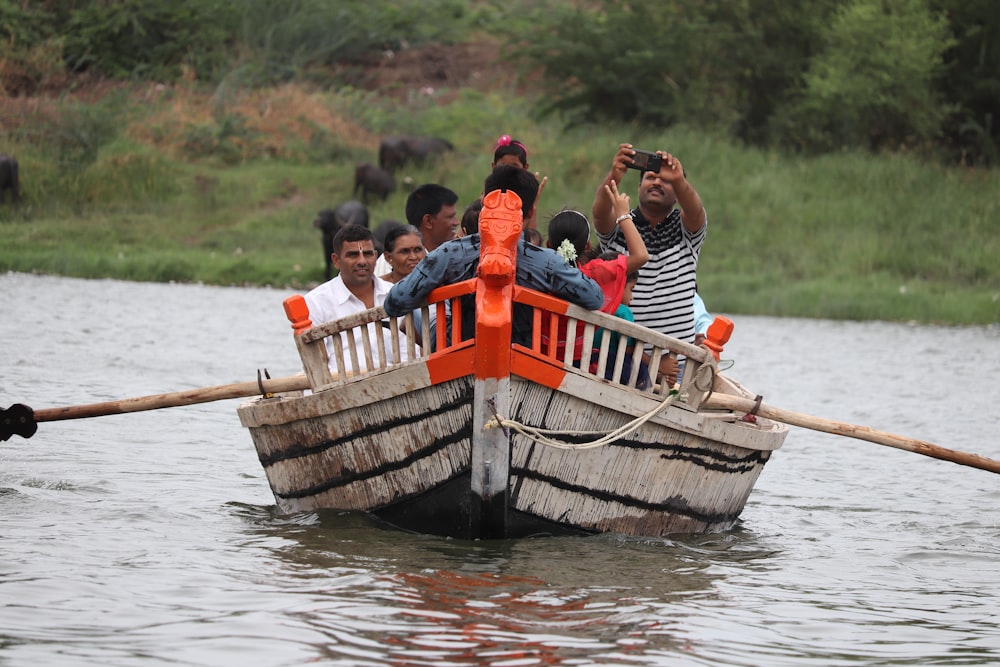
<point x="707" y="371"/>
<point x="540" y="435"/>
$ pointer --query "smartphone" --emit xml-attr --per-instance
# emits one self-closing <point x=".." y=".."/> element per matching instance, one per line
<point x="645" y="161"/>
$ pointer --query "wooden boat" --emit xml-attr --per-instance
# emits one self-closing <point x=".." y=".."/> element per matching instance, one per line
<point x="489" y="438"/>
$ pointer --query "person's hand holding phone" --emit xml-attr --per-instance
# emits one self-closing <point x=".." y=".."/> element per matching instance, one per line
<point x="645" y="161"/>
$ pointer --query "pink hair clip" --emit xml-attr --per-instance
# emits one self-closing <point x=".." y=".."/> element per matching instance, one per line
<point x="506" y="140"/>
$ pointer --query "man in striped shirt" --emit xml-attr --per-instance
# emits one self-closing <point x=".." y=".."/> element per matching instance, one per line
<point x="663" y="298"/>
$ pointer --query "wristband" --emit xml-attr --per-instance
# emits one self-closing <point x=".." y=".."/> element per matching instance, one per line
<point x="621" y="217"/>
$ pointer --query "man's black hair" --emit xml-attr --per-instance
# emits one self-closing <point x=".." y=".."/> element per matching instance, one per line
<point x="519" y="181"/>
<point x="428" y="199"/>
<point x="350" y="234"/>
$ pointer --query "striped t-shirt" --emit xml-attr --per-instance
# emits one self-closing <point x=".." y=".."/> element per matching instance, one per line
<point x="663" y="298"/>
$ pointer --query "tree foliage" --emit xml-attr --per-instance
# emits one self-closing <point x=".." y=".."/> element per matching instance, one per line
<point x="873" y="83"/>
<point x="148" y="39"/>
<point x="280" y="41"/>
<point x="273" y="41"/>
<point x="765" y="49"/>
<point x="972" y="80"/>
<point x="813" y="74"/>
<point x="633" y="60"/>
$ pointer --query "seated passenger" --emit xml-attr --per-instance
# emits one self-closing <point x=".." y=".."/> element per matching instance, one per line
<point x="470" y="218"/>
<point x="404" y="248"/>
<point x="354" y="289"/>
<point x="513" y="152"/>
<point x="569" y="234"/>
<point x="702" y="319"/>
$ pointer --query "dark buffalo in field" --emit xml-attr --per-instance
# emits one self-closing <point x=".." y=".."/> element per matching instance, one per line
<point x="396" y="152"/>
<point x="370" y="180"/>
<point x="9" y="179"/>
<point x="330" y="220"/>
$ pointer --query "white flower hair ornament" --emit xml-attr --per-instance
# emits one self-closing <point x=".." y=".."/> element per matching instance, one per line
<point x="567" y="251"/>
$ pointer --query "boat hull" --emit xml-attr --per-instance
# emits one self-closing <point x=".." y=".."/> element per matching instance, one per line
<point x="407" y="457"/>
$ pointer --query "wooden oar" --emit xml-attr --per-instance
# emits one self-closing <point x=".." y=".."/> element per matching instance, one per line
<point x="21" y="420"/>
<point x="747" y="405"/>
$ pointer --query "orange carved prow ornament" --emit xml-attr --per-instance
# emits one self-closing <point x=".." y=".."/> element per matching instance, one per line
<point x="500" y="224"/>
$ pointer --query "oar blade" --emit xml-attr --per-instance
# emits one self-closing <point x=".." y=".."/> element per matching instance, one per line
<point x="18" y="419"/>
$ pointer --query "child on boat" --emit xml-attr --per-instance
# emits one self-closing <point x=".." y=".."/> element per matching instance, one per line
<point x="569" y="235"/>
<point x="512" y="152"/>
<point x="470" y="218"/>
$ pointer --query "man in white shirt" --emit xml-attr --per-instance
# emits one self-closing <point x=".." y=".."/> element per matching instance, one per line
<point x="355" y="288"/>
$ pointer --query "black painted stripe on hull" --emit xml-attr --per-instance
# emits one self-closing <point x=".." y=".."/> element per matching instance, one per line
<point x="628" y="501"/>
<point x="465" y="433"/>
<point x="676" y="452"/>
<point x="298" y="450"/>
<point x="700" y="456"/>
<point x="344" y="481"/>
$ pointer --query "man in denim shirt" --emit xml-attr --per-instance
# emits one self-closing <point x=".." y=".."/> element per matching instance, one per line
<point x="541" y="269"/>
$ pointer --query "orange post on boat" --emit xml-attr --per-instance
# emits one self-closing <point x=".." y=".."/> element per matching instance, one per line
<point x="718" y="335"/>
<point x="297" y="312"/>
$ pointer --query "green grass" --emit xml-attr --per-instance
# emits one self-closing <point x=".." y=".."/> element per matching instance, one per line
<point x="846" y="236"/>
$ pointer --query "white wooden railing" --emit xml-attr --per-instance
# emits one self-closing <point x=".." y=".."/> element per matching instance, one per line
<point x="383" y="341"/>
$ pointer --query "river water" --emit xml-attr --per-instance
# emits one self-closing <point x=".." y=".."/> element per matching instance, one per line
<point x="153" y="538"/>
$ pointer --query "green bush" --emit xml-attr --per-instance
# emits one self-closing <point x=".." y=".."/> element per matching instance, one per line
<point x="873" y="83"/>
<point x="973" y="80"/>
<point x="149" y="39"/>
<point x="627" y="61"/>
<point x="817" y="74"/>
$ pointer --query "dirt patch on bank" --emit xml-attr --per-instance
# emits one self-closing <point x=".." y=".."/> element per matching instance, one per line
<point x="438" y="70"/>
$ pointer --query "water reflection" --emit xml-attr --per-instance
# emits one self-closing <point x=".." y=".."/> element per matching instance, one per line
<point x="373" y="590"/>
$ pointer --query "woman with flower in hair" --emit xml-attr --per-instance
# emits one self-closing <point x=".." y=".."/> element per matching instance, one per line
<point x="569" y="235"/>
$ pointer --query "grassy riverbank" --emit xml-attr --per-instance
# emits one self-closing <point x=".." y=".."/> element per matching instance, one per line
<point x="175" y="184"/>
